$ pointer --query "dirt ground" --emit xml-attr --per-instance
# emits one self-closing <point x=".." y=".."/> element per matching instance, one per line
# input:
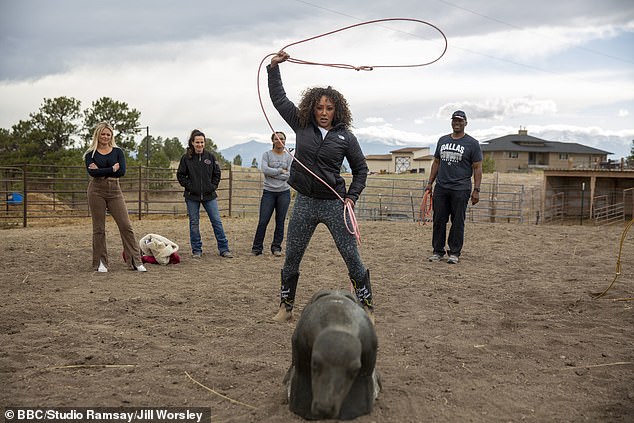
<point x="509" y="334"/>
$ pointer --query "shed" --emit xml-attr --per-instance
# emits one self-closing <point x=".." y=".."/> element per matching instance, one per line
<point x="601" y="194"/>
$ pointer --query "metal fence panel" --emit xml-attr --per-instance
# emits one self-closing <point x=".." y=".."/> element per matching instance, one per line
<point x="60" y="191"/>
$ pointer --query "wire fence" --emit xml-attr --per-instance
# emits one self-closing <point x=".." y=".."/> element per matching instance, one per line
<point x="32" y="192"/>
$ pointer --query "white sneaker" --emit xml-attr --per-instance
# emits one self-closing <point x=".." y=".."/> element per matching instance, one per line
<point x="102" y="268"/>
<point x="453" y="259"/>
<point x="141" y="268"/>
<point x="434" y="258"/>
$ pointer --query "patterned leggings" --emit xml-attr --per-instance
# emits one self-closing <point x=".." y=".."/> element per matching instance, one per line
<point x="307" y="214"/>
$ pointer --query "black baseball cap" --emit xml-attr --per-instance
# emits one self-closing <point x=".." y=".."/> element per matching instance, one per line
<point x="459" y="114"/>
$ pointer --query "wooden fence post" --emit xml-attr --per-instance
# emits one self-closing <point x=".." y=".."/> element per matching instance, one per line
<point x="140" y="182"/>
<point x="24" y="196"/>
<point x="230" y="188"/>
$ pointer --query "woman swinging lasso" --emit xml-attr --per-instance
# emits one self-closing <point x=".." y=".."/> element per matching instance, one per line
<point x="322" y="124"/>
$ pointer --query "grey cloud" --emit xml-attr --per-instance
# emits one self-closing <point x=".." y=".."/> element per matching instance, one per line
<point x="38" y="37"/>
<point x="484" y="17"/>
<point x="500" y="108"/>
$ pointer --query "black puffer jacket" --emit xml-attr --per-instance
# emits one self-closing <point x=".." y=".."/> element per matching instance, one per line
<point x="199" y="175"/>
<point x="325" y="156"/>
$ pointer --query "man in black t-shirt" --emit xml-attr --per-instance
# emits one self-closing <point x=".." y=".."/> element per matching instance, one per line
<point x="457" y="158"/>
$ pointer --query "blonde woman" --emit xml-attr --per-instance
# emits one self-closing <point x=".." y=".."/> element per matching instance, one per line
<point x="105" y="163"/>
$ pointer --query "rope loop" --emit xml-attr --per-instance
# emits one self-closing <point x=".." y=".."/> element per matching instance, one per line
<point x="426" y="208"/>
<point x="617" y="271"/>
<point x="351" y="221"/>
<point x="369" y="67"/>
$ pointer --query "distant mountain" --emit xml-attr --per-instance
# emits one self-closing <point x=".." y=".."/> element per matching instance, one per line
<point x="254" y="149"/>
<point x="248" y="151"/>
<point x="619" y="146"/>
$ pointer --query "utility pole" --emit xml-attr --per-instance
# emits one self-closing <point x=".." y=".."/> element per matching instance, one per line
<point x="147" y="144"/>
<point x="147" y="168"/>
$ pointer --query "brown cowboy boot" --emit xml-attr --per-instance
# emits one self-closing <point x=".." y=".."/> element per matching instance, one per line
<point x="283" y="314"/>
<point x="288" y="286"/>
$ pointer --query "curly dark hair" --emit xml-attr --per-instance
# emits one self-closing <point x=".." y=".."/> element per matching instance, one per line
<point x="311" y="97"/>
<point x="190" y="144"/>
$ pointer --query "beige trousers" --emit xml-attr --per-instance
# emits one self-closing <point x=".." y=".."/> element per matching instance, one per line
<point x="104" y="194"/>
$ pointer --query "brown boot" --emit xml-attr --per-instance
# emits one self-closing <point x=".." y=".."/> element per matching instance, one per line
<point x="283" y="315"/>
<point x="370" y="312"/>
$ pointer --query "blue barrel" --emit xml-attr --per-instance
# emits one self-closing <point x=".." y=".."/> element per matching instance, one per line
<point x="14" y="198"/>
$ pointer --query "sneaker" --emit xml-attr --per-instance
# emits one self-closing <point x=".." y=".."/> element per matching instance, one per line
<point x="435" y="257"/>
<point x="226" y="254"/>
<point x="141" y="268"/>
<point x="255" y="253"/>
<point x="453" y="259"/>
<point x="102" y="268"/>
<point x="197" y="255"/>
<point x="277" y="253"/>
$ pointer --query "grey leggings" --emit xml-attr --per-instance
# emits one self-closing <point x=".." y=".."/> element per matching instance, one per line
<point x="307" y="214"/>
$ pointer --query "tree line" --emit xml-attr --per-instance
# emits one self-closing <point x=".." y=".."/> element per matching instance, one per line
<point x="60" y="132"/>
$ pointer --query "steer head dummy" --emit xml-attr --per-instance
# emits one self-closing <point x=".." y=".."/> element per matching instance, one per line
<point x="332" y="374"/>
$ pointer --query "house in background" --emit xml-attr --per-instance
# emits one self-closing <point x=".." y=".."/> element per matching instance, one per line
<point x="380" y="163"/>
<point x="520" y="152"/>
<point x="403" y="160"/>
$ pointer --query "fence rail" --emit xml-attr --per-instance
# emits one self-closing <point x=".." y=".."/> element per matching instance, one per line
<point x="609" y="214"/>
<point x="31" y="192"/>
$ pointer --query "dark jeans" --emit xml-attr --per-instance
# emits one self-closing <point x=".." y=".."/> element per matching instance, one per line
<point x="447" y="204"/>
<point x="193" y="211"/>
<point x="272" y="201"/>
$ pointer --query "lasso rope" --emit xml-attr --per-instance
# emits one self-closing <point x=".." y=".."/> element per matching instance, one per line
<point x="426" y="207"/>
<point x="349" y="216"/>
<point x="618" y="265"/>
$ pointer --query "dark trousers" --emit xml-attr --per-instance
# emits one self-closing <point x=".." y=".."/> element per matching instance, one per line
<point x="270" y="202"/>
<point x="449" y="204"/>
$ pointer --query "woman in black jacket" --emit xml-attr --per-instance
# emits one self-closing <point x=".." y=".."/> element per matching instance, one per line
<point x="199" y="173"/>
<point x="323" y="139"/>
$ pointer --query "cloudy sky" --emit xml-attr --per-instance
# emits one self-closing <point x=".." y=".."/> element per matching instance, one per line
<point x="563" y="70"/>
